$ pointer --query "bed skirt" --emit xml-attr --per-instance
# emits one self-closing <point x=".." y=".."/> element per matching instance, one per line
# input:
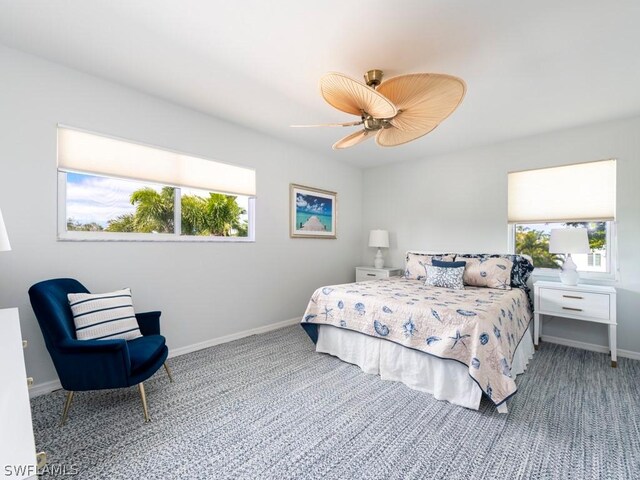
<point x="444" y="379"/>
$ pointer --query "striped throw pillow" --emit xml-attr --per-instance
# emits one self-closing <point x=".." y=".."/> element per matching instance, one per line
<point x="104" y="316"/>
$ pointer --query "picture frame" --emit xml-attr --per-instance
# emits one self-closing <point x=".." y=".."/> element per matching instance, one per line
<point x="312" y="212"/>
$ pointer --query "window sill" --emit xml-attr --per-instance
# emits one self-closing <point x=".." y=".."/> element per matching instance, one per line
<point x="585" y="277"/>
<point x="146" y="237"/>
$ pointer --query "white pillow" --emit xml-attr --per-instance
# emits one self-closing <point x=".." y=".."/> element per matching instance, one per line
<point x="488" y="272"/>
<point x="104" y="316"/>
<point x="416" y="264"/>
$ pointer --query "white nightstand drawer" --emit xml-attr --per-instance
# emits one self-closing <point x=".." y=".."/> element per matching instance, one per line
<point x="584" y="304"/>
<point x="363" y="275"/>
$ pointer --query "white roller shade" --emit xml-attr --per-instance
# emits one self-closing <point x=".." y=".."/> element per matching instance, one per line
<point x="572" y="193"/>
<point x="89" y="153"/>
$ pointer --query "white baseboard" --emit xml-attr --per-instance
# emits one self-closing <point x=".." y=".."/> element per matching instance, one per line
<point x="48" y="387"/>
<point x="589" y="346"/>
<point x="43" y="388"/>
<point x="175" y="352"/>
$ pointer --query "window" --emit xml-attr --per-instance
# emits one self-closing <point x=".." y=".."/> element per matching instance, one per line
<point x="533" y="239"/>
<point x="572" y="196"/>
<point x="115" y="190"/>
<point x="104" y="204"/>
<point x="209" y="213"/>
<point x="594" y="260"/>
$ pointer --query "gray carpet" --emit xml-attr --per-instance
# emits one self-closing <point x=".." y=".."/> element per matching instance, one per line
<point x="269" y="407"/>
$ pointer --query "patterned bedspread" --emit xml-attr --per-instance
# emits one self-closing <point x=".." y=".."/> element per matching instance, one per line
<point x="479" y="327"/>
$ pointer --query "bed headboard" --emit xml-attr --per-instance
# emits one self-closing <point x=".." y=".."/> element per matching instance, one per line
<point x="520" y="273"/>
<point x="434" y="252"/>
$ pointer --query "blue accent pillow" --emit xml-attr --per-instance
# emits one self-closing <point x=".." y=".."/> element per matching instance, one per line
<point x="445" y="277"/>
<point x="440" y="263"/>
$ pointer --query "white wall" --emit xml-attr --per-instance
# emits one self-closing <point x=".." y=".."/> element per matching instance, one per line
<point x="205" y="290"/>
<point x="458" y="202"/>
<point x="452" y="202"/>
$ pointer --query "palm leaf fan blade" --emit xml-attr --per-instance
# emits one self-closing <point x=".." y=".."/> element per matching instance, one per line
<point x="351" y="96"/>
<point x="352" y="139"/>
<point x="391" y="137"/>
<point x="343" y="124"/>
<point x="424" y="100"/>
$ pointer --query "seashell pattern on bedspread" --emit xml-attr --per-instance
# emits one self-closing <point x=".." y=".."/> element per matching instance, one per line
<point x="479" y="327"/>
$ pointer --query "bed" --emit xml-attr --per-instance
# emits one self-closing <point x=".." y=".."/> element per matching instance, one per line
<point x="454" y="344"/>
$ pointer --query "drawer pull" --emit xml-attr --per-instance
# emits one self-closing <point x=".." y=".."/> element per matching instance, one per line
<point x="371" y="274"/>
<point x="573" y="309"/>
<point x="573" y="296"/>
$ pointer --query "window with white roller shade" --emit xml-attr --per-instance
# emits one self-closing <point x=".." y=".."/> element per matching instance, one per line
<point x="571" y="193"/>
<point x="113" y="189"/>
<point x="571" y="196"/>
<point x="83" y="152"/>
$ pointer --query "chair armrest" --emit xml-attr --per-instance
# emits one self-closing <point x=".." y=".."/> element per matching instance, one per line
<point x="149" y="322"/>
<point x="93" y="364"/>
<point x="71" y="345"/>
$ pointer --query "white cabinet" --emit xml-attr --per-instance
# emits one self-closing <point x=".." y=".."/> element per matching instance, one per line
<point x="364" y="274"/>
<point x="17" y="447"/>
<point x="591" y="303"/>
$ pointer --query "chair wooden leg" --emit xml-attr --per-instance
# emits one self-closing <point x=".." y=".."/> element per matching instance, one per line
<point x="143" y="397"/>
<point x="67" y="405"/>
<point x="166" y="367"/>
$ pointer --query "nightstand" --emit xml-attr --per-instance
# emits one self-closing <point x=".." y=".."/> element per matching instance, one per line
<point x="591" y="303"/>
<point x="364" y="274"/>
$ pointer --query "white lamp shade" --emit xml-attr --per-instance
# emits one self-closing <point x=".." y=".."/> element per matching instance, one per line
<point x="4" y="238"/>
<point x="379" y="239"/>
<point x="569" y="240"/>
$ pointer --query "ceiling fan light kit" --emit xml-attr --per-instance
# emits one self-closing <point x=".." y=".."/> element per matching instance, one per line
<point x="396" y="111"/>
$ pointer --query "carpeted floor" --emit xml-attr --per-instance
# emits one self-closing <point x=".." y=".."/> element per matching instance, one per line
<point x="269" y="407"/>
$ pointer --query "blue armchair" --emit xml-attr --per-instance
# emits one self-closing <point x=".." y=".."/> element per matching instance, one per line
<point x="95" y="364"/>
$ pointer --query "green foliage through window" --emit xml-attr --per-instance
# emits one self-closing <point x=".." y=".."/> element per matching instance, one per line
<point x="535" y="243"/>
<point x="153" y="211"/>
<point x="533" y="240"/>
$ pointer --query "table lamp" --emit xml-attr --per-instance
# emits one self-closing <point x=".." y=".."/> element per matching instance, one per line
<point x="4" y="238"/>
<point x="567" y="241"/>
<point x="379" y="239"/>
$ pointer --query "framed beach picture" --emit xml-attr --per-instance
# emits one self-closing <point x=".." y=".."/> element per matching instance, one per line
<point x="312" y="212"/>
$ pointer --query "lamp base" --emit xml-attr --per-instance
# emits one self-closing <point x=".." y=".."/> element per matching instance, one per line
<point x="569" y="274"/>
<point x="379" y="260"/>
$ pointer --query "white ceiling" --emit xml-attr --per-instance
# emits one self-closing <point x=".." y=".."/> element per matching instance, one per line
<point x="530" y="67"/>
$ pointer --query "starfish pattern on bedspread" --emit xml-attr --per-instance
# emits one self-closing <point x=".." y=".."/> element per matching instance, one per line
<point x="479" y="327"/>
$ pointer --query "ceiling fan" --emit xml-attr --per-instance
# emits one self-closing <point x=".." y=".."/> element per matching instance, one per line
<point x="395" y="111"/>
